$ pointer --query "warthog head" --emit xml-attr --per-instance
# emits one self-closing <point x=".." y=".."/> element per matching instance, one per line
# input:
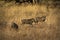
<point x="40" y="19"/>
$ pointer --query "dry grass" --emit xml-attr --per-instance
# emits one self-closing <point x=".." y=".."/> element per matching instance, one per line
<point x="42" y="31"/>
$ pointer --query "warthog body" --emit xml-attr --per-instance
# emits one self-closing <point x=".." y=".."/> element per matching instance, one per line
<point x="27" y="21"/>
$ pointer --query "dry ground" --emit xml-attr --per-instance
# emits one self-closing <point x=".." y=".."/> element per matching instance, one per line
<point x="48" y="30"/>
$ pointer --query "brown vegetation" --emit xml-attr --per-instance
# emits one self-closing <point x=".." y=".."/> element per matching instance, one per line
<point x="48" y="30"/>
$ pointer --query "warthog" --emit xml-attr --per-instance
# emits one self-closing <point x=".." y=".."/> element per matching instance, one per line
<point x="14" y="25"/>
<point x="35" y="20"/>
<point x="40" y="19"/>
<point x="27" y="21"/>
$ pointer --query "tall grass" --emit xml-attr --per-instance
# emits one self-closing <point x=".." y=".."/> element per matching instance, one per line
<point x="11" y="12"/>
